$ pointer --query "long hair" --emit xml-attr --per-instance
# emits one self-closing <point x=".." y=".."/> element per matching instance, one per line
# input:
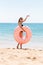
<point x="20" y="19"/>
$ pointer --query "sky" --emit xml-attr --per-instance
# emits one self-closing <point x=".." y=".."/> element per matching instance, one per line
<point x="12" y="10"/>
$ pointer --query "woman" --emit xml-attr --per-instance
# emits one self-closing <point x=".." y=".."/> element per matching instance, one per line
<point x="20" y="21"/>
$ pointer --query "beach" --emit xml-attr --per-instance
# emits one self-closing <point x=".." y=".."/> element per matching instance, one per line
<point x="25" y="56"/>
<point x="29" y="55"/>
<point x="21" y="26"/>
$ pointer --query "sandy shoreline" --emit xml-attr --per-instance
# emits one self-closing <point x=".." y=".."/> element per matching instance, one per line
<point x="12" y="56"/>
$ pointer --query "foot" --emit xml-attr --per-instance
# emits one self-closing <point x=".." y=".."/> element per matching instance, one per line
<point x="17" y="46"/>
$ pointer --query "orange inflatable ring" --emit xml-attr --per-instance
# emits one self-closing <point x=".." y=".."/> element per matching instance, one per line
<point x="17" y="36"/>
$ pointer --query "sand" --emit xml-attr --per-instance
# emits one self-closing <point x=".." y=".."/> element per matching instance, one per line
<point x="12" y="56"/>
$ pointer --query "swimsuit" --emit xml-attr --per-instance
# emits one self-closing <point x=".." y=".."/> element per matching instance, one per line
<point x="20" y="23"/>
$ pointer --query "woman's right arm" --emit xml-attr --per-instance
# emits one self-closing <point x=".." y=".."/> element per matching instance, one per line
<point x="26" y="18"/>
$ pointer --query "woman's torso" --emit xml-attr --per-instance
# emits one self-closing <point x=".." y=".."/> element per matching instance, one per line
<point x="20" y="23"/>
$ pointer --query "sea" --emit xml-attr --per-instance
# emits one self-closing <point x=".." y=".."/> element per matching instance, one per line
<point x="7" y="39"/>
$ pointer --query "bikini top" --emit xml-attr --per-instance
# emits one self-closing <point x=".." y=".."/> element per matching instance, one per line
<point x="20" y="23"/>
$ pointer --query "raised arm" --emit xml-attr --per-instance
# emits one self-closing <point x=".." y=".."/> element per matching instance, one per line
<point x="26" y="18"/>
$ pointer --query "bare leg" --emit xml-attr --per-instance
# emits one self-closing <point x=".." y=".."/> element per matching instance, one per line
<point x="20" y="46"/>
<point x="17" y="45"/>
<point x="21" y="35"/>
